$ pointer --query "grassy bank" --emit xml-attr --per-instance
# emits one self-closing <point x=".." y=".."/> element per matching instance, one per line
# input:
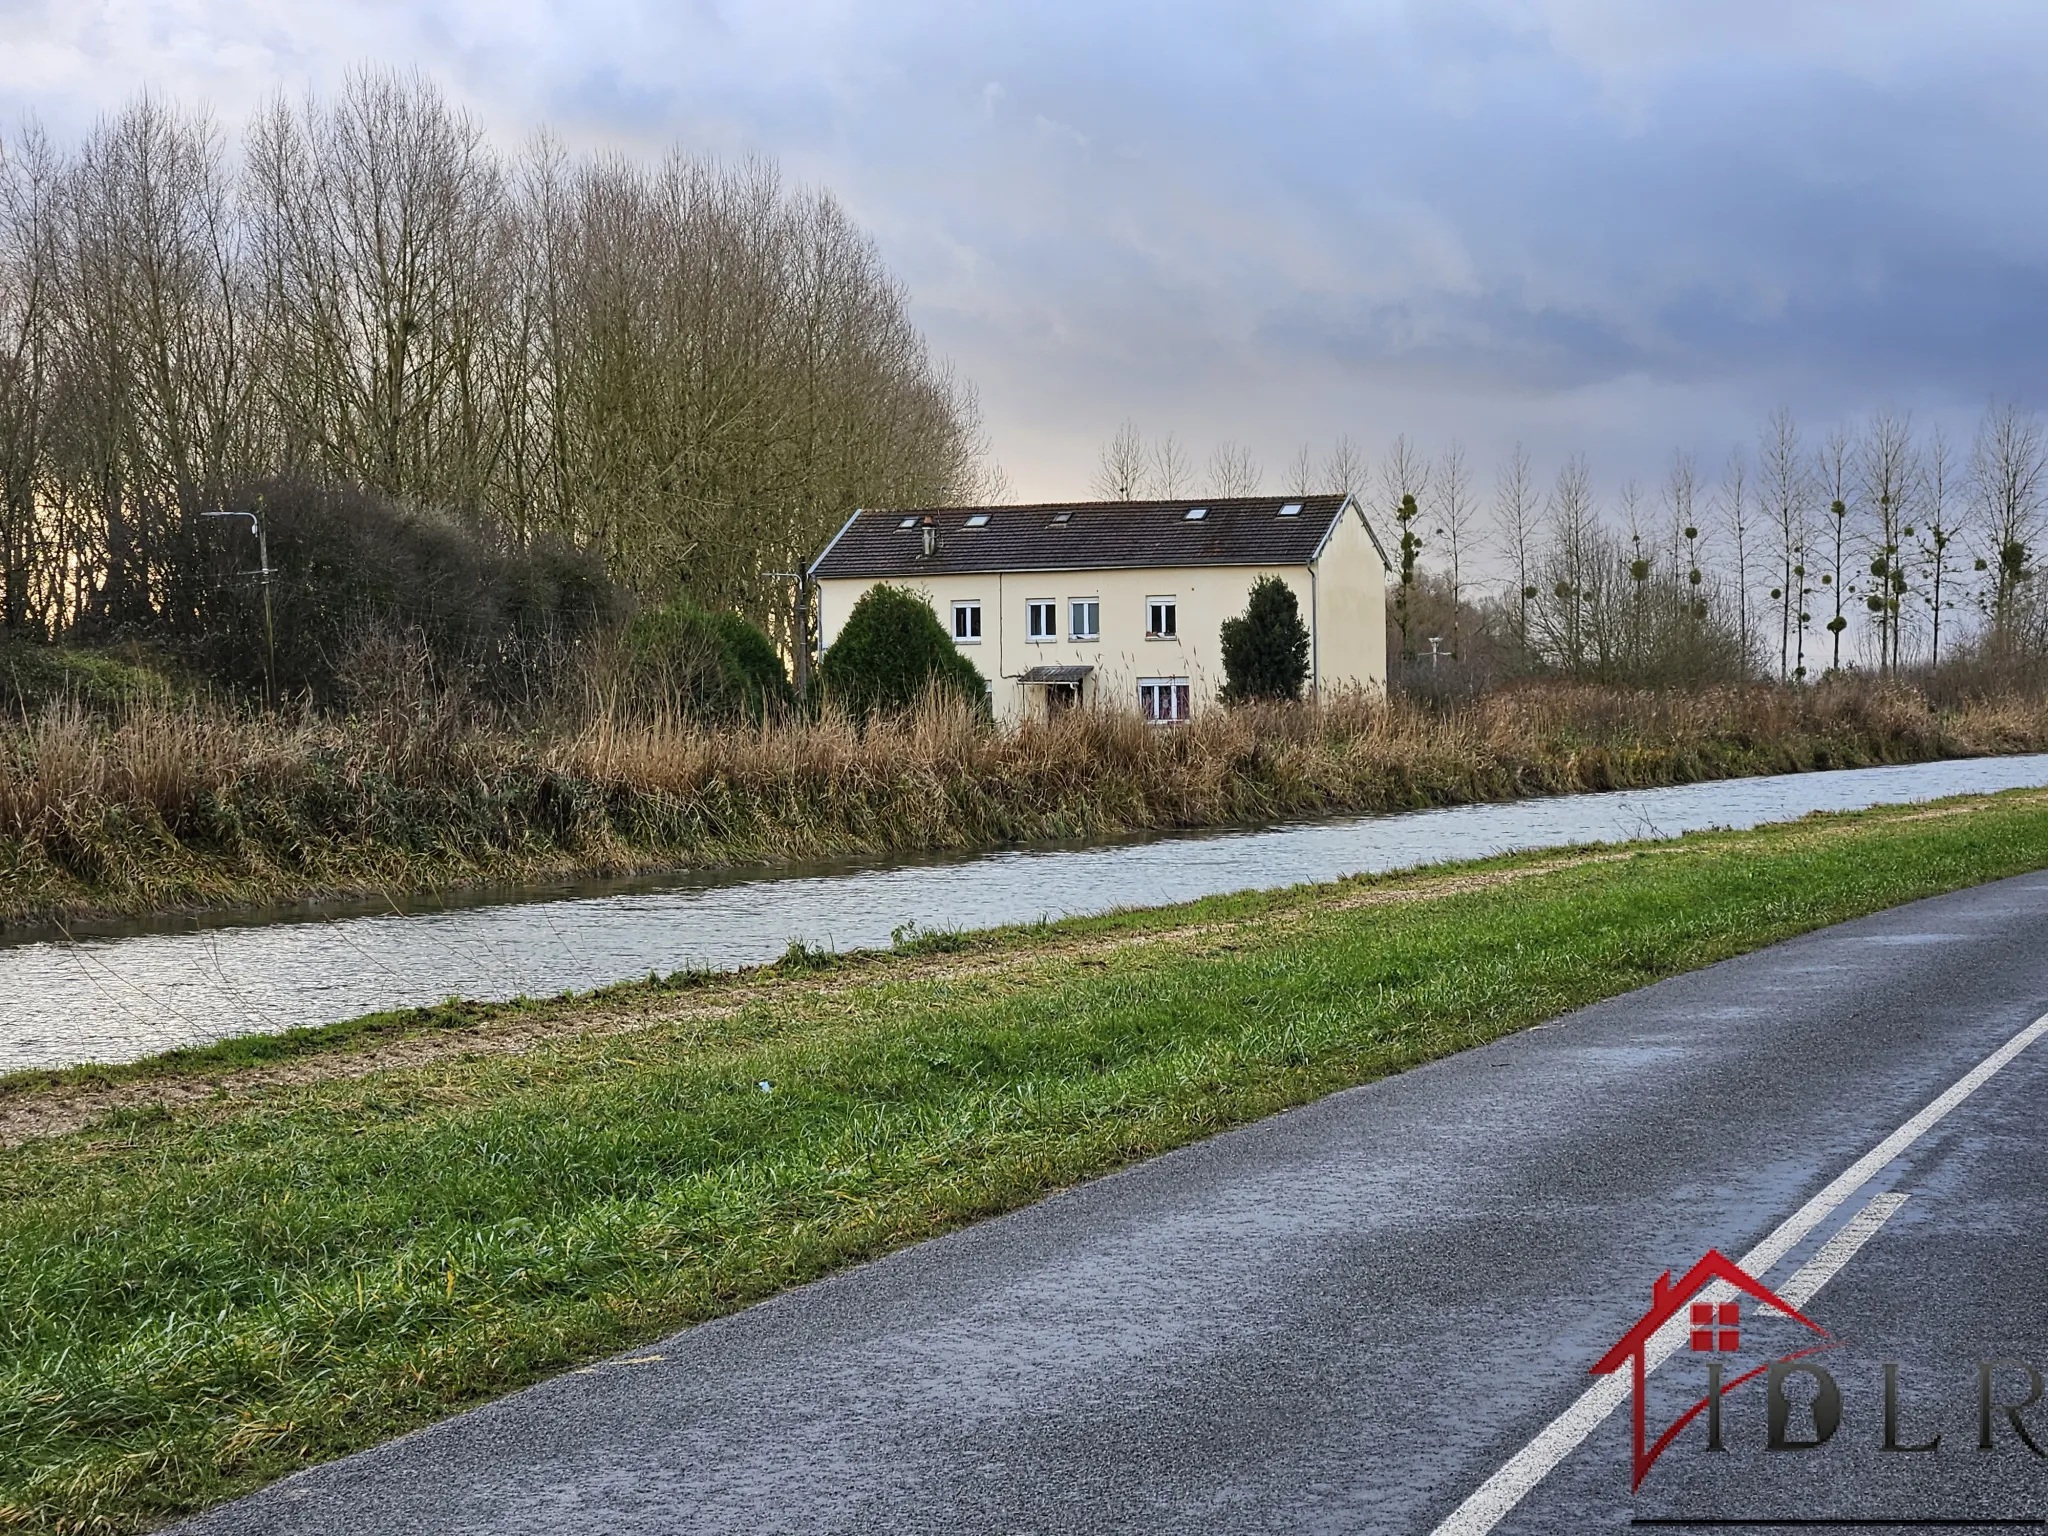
<point x="239" y="1268"/>
<point x="159" y="807"/>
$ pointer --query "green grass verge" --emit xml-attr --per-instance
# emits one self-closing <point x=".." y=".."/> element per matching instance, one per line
<point x="194" y="1303"/>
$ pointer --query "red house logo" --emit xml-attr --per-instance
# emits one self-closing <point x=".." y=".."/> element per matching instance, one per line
<point x="1716" y="1327"/>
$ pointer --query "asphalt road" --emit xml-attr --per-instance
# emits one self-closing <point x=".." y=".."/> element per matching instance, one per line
<point x="1350" y="1317"/>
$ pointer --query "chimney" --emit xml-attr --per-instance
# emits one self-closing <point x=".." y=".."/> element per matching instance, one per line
<point x="931" y="535"/>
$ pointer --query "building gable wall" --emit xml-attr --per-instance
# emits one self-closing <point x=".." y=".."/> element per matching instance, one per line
<point x="1351" y="609"/>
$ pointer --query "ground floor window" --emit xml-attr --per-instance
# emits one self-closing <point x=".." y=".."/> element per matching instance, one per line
<point x="1163" y="698"/>
<point x="967" y="621"/>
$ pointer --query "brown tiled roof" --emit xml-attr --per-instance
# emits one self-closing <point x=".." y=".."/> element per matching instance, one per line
<point x="1082" y="536"/>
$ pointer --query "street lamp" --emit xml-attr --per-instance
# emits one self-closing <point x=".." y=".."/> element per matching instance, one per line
<point x="269" y="630"/>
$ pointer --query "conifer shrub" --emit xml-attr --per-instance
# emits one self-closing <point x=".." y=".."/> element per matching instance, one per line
<point x="892" y="650"/>
<point x="1265" y="648"/>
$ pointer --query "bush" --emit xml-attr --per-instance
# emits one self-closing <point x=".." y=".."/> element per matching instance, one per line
<point x="754" y="664"/>
<point x="713" y="664"/>
<point x="349" y="567"/>
<point x="1265" y="649"/>
<point x="892" y="649"/>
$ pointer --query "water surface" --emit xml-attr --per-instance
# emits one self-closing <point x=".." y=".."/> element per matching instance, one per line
<point x="115" y="995"/>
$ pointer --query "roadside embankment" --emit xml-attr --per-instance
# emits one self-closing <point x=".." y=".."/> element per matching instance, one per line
<point x="219" y="1267"/>
<point x="161" y="807"/>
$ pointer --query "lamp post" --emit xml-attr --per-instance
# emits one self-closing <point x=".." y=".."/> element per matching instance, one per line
<point x="263" y="570"/>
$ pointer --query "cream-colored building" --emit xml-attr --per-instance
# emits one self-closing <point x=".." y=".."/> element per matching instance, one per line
<point x="1119" y="603"/>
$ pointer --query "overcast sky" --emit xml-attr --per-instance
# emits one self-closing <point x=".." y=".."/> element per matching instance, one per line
<point x="1607" y="225"/>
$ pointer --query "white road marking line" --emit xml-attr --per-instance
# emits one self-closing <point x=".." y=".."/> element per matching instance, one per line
<point x="1839" y="1249"/>
<point x="1564" y="1433"/>
<point x="1492" y="1499"/>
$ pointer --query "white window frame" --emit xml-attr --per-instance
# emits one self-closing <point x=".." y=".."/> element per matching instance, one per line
<point x="1084" y="618"/>
<point x="1170" y="608"/>
<point x="967" y="608"/>
<point x="1172" y="692"/>
<point x="1036" y="608"/>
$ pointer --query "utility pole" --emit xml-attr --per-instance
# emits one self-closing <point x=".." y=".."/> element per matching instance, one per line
<point x="269" y="627"/>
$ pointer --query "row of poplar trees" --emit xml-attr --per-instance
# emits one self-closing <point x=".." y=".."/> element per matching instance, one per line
<point x="690" y="368"/>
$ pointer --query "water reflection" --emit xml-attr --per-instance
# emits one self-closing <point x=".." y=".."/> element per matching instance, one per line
<point x="116" y="996"/>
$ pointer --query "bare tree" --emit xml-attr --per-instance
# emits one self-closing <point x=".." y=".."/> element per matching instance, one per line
<point x="151" y="405"/>
<point x="1514" y="524"/>
<point x="1681" y="507"/>
<point x="1404" y="482"/>
<point x="687" y="367"/>
<point x="1642" y="566"/>
<point x="379" y="219"/>
<point x="1170" y="471"/>
<point x="992" y="488"/>
<point x="1301" y="473"/>
<point x="1887" y="473"/>
<point x="1937" y="512"/>
<point x="2009" y="482"/>
<point x="1837" y="482"/>
<point x="1345" y="469"/>
<point x="1735" y="517"/>
<point x="1233" y="471"/>
<point x="724" y="370"/>
<point x="1681" y="504"/>
<point x="1786" y="491"/>
<point x="29" y="176"/>
<point x="1403" y="472"/>
<point x="1455" y="528"/>
<point x="1802" y="613"/>
<point x="1120" y="469"/>
<point x="1566" y="611"/>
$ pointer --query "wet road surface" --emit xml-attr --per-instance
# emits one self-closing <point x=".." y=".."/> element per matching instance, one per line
<point x="1352" y="1316"/>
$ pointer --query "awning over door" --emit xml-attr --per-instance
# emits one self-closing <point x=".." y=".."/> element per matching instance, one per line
<point x="1056" y="675"/>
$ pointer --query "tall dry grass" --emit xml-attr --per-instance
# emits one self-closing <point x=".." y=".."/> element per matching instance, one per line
<point x="167" y="807"/>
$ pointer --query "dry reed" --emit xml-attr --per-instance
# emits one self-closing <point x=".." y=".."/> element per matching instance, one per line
<point x="171" y="808"/>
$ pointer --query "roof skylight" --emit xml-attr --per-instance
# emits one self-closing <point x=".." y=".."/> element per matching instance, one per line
<point x="908" y="522"/>
<point x="1291" y="509"/>
<point x="979" y="520"/>
<point x="1062" y="517"/>
<point x="1194" y="514"/>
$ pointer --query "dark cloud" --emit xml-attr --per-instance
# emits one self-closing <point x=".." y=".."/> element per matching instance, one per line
<point x="1589" y="223"/>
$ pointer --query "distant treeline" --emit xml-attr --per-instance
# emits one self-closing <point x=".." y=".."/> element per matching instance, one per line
<point x="688" y="372"/>
<point x="1875" y="544"/>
